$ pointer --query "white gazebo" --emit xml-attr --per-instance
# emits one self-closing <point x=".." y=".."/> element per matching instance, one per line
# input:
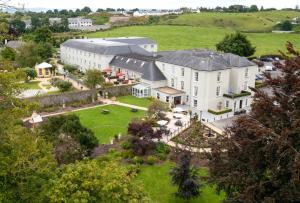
<point x="43" y="69"/>
<point x="141" y="90"/>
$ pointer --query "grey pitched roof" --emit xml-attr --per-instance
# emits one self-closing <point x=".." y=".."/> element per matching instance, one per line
<point x="203" y="60"/>
<point x="104" y="47"/>
<point x="133" y="40"/>
<point x="14" y="44"/>
<point x="77" y="20"/>
<point x="144" y="65"/>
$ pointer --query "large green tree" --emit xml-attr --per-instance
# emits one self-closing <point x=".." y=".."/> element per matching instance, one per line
<point x="28" y="55"/>
<point x="93" y="79"/>
<point x="18" y="26"/>
<point x="8" y="54"/>
<point x="258" y="159"/>
<point x="43" y="35"/>
<point x="236" y="44"/>
<point x="96" y="181"/>
<point x="26" y="161"/>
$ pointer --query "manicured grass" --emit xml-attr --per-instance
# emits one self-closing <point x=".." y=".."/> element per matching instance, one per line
<point x="31" y="85"/>
<point x="142" y="102"/>
<point x="189" y="37"/>
<point x="157" y="183"/>
<point x="105" y="126"/>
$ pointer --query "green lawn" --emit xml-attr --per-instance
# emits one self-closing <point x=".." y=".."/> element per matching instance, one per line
<point x="142" y="102"/>
<point x="31" y="85"/>
<point x="256" y="21"/>
<point x="106" y="126"/>
<point x="189" y="37"/>
<point x="157" y="183"/>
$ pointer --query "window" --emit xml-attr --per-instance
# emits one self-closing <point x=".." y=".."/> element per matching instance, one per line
<point x="47" y="71"/>
<point x="187" y="98"/>
<point x="219" y="77"/>
<point x="145" y="46"/>
<point x="195" y="91"/>
<point x="40" y="71"/>
<point x="218" y="91"/>
<point x="234" y="106"/>
<point x="172" y="82"/>
<point x="227" y="104"/>
<point x="246" y="86"/>
<point x="182" y="71"/>
<point x="157" y="96"/>
<point x="196" y="76"/>
<point x="246" y="102"/>
<point x="99" y="65"/>
<point x="167" y="98"/>
<point x="152" y="45"/>
<point x="182" y="85"/>
<point x="195" y="103"/>
<point x="173" y="69"/>
<point x="246" y="72"/>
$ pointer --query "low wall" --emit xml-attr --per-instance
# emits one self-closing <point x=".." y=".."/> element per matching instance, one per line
<point x="65" y="98"/>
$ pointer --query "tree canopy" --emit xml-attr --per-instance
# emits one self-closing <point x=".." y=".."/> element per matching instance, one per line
<point x="96" y="181"/>
<point x="94" y="78"/>
<point x="236" y="44"/>
<point x="258" y="158"/>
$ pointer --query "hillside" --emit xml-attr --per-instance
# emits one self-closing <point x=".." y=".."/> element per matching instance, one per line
<point x="251" y="22"/>
<point x="188" y="37"/>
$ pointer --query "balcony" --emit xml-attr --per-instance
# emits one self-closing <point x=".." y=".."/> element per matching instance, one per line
<point x="219" y="112"/>
<point x="234" y="96"/>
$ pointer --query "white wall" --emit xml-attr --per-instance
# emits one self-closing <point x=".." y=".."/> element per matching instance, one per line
<point x="238" y="78"/>
<point x="83" y="59"/>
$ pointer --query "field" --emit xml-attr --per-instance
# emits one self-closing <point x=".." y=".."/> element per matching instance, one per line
<point x="105" y="126"/>
<point x="188" y="37"/>
<point x="142" y="102"/>
<point x="254" y="22"/>
<point x="157" y="183"/>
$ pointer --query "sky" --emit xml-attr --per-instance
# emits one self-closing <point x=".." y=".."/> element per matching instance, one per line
<point x="159" y="4"/>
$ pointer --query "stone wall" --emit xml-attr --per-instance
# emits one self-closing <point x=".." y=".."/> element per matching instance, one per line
<point x="65" y="98"/>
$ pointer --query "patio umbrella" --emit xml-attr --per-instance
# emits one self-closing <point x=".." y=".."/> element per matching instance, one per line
<point x="162" y="122"/>
<point x="120" y="74"/>
<point x="108" y="70"/>
<point x="178" y="109"/>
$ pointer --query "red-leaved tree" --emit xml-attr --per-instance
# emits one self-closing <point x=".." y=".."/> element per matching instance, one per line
<point x="258" y="160"/>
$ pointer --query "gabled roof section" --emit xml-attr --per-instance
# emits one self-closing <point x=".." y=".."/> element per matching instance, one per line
<point x="133" y="40"/>
<point x="104" y="47"/>
<point x="204" y="60"/>
<point x="144" y="65"/>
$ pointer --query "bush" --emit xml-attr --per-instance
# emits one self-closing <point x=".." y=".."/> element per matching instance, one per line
<point x="151" y="160"/>
<point x="137" y="160"/>
<point x="126" y="144"/>
<point x="134" y="110"/>
<point x="69" y="68"/>
<point x="63" y="86"/>
<point x="127" y="154"/>
<point x="178" y="123"/>
<point x="162" y="148"/>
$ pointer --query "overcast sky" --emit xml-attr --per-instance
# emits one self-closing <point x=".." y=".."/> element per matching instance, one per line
<point x="160" y="4"/>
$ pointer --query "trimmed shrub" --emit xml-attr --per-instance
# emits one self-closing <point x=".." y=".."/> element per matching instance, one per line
<point x="137" y="160"/>
<point x="151" y="160"/>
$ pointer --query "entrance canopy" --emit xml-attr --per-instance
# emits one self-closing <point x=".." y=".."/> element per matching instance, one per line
<point x="141" y="90"/>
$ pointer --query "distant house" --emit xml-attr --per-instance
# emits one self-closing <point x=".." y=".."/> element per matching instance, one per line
<point x="43" y="70"/>
<point x="53" y="21"/>
<point x="77" y="23"/>
<point x="28" y="24"/>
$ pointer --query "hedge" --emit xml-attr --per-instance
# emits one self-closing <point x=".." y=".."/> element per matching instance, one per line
<point x="233" y="96"/>
<point x="219" y="112"/>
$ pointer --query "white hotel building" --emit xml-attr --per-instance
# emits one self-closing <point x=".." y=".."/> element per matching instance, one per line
<point x="214" y="85"/>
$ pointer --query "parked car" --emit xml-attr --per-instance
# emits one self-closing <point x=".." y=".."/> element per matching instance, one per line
<point x="267" y="59"/>
<point x="258" y="77"/>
